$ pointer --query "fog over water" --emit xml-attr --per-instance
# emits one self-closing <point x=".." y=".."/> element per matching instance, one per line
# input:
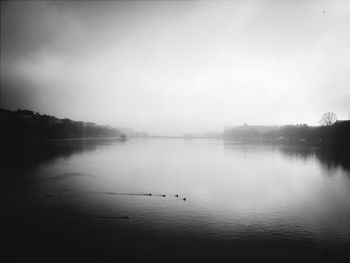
<point x="172" y="67"/>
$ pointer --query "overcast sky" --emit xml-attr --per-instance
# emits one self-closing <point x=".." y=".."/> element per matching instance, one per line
<point x="174" y="67"/>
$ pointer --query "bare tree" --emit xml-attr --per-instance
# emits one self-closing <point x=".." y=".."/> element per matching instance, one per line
<point x="328" y="118"/>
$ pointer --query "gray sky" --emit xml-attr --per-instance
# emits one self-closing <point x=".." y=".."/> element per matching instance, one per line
<point x="174" y="67"/>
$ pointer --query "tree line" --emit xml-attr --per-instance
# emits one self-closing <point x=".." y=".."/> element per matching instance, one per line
<point x="29" y="126"/>
<point x="330" y="131"/>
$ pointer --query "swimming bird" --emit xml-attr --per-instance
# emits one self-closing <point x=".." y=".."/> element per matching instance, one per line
<point x="184" y="199"/>
<point x="176" y="195"/>
<point x="163" y="195"/>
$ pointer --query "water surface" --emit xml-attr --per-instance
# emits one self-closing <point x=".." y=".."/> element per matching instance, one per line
<point x="243" y="201"/>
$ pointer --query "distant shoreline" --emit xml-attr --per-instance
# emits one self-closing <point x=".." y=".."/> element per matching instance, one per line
<point x="85" y="139"/>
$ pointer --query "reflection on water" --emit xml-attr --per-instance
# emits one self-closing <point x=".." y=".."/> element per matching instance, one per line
<point x="331" y="158"/>
<point x="243" y="201"/>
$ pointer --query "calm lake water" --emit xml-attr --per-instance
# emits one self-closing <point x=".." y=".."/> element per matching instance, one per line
<point x="242" y="201"/>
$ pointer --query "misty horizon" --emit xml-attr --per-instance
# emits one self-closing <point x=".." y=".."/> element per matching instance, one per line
<point x="169" y="68"/>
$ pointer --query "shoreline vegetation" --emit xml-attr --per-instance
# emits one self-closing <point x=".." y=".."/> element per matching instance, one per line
<point x="301" y="134"/>
<point x="28" y="127"/>
<point x="25" y="127"/>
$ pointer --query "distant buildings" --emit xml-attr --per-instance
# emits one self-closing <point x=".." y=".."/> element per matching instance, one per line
<point x="339" y="132"/>
<point x="245" y="127"/>
<point x="246" y="131"/>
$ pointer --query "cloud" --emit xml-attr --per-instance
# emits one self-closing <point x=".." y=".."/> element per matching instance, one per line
<point x="173" y="67"/>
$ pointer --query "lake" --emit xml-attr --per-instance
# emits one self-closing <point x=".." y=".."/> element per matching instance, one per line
<point x="103" y="199"/>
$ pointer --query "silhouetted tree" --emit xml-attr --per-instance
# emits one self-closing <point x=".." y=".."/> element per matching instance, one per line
<point x="328" y="118"/>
